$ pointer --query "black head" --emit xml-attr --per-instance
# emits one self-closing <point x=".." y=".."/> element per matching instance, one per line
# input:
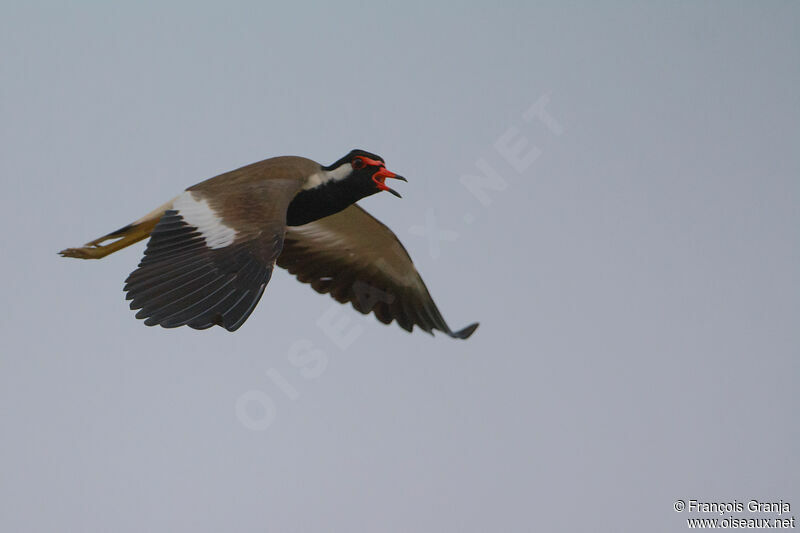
<point x="355" y="176"/>
<point x="367" y="171"/>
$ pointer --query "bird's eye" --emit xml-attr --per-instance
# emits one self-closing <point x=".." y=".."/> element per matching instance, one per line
<point x="358" y="163"/>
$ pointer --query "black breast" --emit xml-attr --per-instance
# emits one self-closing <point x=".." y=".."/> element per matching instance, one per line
<point x="312" y="204"/>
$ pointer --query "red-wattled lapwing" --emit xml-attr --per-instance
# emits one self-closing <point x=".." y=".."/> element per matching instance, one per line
<point x="212" y="248"/>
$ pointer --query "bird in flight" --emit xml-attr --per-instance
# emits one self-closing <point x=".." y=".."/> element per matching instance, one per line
<point x="212" y="248"/>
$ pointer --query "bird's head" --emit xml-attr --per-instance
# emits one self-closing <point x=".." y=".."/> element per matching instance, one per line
<point x="367" y="171"/>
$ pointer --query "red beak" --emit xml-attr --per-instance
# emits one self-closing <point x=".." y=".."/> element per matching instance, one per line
<point x="380" y="176"/>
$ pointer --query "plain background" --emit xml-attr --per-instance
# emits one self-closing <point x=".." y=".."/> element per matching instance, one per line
<point x="636" y="276"/>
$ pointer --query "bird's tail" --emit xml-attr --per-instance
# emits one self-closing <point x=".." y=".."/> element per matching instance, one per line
<point x="122" y="238"/>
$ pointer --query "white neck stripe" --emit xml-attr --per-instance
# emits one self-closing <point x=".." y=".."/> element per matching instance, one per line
<point x="324" y="176"/>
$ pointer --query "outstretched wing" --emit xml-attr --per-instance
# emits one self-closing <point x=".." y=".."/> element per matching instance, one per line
<point x="210" y="257"/>
<point x="356" y="259"/>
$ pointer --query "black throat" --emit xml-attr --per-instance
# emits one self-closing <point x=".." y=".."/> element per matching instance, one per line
<point x="326" y="199"/>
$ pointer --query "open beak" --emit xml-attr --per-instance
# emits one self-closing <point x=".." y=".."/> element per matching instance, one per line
<point x="380" y="177"/>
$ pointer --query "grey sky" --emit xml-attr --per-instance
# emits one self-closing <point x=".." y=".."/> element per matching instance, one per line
<point x="635" y="272"/>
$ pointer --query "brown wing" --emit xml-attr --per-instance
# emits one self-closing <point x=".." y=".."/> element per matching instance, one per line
<point x="211" y="256"/>
<point x="355" y="258"/>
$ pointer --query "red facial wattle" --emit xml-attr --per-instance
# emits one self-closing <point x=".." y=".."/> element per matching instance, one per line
<point x="379" y="177"/>
<point x="370" y="162"/>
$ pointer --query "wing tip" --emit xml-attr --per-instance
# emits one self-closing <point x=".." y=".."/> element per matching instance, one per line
<point x="466" y="332"/>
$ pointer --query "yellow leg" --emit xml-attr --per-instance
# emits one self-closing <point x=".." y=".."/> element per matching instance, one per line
<point x="120" y="239"/>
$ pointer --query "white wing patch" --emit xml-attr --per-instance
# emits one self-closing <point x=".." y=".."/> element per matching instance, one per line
<point x="324" y="176"/>
<point x="196" y="212"/>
